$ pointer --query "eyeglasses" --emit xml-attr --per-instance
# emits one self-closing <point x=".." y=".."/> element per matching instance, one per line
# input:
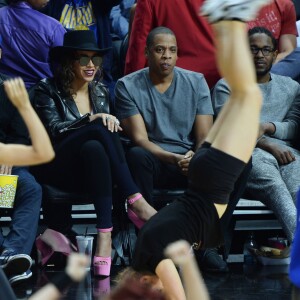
<point x="84" y="60"/>
<point x="264" y="51"/>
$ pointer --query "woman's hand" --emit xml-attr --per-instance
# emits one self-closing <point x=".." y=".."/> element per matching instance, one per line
<point x="110" y="121"/>
<point x="77" y="266"/>
<point x="17" y="93"/>
<point x="5" y="169"/>
<point x="179" y="252"/>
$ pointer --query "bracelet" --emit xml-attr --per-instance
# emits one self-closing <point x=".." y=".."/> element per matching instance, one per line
<point x="62" y="281"/>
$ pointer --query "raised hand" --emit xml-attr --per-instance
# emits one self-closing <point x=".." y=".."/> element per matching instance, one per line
<point x="77" y="266"/>
<point x="179" y="252"/>
<point x="16" y="92"/>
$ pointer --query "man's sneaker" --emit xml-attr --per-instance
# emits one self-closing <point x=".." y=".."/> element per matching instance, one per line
<point x="14" y="264"/>
<point x="244" y="10"/>
<point x="17" y="278"/>
<point x="209" y="260"/>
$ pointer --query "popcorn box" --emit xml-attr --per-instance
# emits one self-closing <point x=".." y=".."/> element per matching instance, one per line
<point x="8" y="186"/>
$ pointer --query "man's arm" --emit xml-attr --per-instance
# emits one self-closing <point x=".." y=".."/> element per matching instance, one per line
<point x="202" y="125"/>
<point x="134" y="127"/>
<point x="286" y="44"/>
<point x="287" y="41"/>
<point x="289" y="127"/>
<point x="220" y="95"/>
<point x="282" y="153"/>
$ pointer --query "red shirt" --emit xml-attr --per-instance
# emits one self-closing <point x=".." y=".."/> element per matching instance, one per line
<point x="193" y="33"/>
<point x="279" y="17"/>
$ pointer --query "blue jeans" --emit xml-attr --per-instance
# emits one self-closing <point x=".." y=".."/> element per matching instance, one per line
<point x="26" y="212"/>
<point x="289" y="66"/>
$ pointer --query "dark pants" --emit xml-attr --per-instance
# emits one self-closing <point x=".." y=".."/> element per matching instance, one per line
<point x="85" y="162"/>
<point x="25" y="214"/>
<point x="149" y="172"/>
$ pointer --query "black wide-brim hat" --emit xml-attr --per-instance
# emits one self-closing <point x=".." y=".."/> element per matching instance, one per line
<point x="77" y="40"/>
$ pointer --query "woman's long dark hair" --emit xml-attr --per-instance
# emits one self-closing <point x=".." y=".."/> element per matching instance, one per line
<point x="64" y="74"/>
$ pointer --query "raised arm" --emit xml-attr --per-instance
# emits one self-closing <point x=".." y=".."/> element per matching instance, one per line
<point x="41" y="149"/>
<point x="167" y="273"/>
<point x="286" y="44"/>
<point x="193" y="282"/>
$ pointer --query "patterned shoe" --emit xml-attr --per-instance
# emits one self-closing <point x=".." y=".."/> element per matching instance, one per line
<point x="13" y="263"/>
<point x="243" y="10"/>
<point x="20" y="277"/>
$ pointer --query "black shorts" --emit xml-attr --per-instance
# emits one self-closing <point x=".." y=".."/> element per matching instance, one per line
<point x="213" y="173"/>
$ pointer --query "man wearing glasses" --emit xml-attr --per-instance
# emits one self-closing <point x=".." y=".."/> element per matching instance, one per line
<point x="275" y="175"/>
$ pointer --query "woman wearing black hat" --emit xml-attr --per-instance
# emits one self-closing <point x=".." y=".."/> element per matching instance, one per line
<point x="74" y="108"/>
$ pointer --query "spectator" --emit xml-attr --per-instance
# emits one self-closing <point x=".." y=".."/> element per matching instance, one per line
<point x="290" y="65"/>
<point x="15" y="247"/>
<point x="279" y="17"/>
<point x="275" y="175"/>
<point x="75" y="111"/>
<point x="120" y="17"/>
<point x="26" y="49"/>
<point x="196" y="31"/>
<point x="98" y="21"/>
<point x="150" y="105"/>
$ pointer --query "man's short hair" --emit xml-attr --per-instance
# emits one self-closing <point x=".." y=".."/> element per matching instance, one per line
<point x="156" y="31"/>
<point x="264" y="30"/>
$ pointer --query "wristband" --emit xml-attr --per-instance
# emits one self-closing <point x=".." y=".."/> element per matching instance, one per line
<point x="62" y="281"/>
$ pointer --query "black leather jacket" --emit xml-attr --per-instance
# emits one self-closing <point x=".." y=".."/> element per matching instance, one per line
<point x="59" y="113"/>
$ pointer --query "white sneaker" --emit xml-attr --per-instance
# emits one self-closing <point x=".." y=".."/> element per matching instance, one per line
<point x="244" y="10"/>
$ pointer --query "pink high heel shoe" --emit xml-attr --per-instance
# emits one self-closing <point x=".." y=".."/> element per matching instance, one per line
<point x="137" y="221"/>
<point x="102" y="265"/>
